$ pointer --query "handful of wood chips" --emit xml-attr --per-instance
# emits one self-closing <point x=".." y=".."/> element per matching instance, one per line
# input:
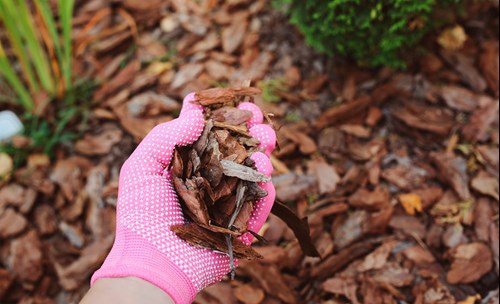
<point x="217" y="182"/>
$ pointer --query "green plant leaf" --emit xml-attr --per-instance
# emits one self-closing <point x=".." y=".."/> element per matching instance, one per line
<point x="48" y="18"/>
<point x="66" y="14"/>
<point x="27" y="29"/>
<point x="12" y="78"/>
<point x="18" y="47"/>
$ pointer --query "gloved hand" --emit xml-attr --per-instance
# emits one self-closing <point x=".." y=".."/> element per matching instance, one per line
<point x="147" y="206"/>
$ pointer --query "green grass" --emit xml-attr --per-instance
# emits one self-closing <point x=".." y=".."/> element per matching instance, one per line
<point x="37" y="73"/>
<point x="36" y="61"/>
<point x="68" y="123"/>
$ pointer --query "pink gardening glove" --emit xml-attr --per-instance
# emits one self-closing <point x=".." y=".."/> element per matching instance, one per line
<point x="147" y="206"/>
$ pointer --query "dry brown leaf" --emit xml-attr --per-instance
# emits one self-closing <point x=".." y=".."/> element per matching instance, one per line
<point x="465" y="67"/>
<point x="461" y="99"/>
<point x="394" y="274"/>
<point x="378" y="258"/>
<point x="12" y="194"/>
<point x="356" y="130"/>
<point x="483" y="219"/>
<point x="374" y="116"/>
<point x="249" y="294"/>
<point x="232" y="36"/>
<point x="411" y="202"/>
<point x="349" y="89"/>
<point x="489" y="64"/>
<point x="326" y="175"/>
<point x="6" y="166"/>
<point x="410" y="225"/>
<point x="344" y="287"/>
<point x="419" y="255"/>
<point x="270" y="279"/>
<point x="429" y="195"/>
<point x="101" y="143"/>
<point x="430" y="119"/>
<point x="306" y="144"/>
<point x="231" y="115"/>
<point x="343" y="112"/>
<point x="123" y="78"/>
<point x="470" y="263"/>
<point x="224" y="95"/>
<point x="185" y="74"/>
<point x="69" y="173"/>
<point x="255" y="71"/>
<point x="364" y="198"/>
<point x="405" y="177"/>
<point x="45" y="219"/>
<point x="453" y="235"/>
<point x="452" y="38"/>
<point x="485" y="184"/>
<point x="150" y="104"/>
<point x="6" y="280"/>
<point x="315" y="84"/>
<point x="470" y="300"/>
<point x="74" y="275"/>
<point x="194" y="24"/>
<point x="24" y="257"/>
<point x="11" y="223"/>
<point x="210" y="42"/>
<point x="453" y="170"/>
<point x="218" y="70"/>
<point x="480" y="122"/>
<point x="351" y="229"/>
<point x="221" y="293"/>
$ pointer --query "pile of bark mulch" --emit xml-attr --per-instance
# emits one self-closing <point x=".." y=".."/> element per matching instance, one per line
<point x="396" y="171"/>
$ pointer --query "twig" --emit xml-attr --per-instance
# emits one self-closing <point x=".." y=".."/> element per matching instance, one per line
<point x="240" y="194"/>
<point x="238" y="129"/>
<point x="231" y="257"/>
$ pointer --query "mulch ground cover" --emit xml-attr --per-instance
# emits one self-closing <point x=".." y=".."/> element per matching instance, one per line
<point x="397" y="171"/>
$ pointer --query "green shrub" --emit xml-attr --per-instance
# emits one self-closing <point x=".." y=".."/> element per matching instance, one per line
<point x="373" y="32"/>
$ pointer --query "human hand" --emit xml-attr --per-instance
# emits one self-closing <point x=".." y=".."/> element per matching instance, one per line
<point x="148" y="206"/>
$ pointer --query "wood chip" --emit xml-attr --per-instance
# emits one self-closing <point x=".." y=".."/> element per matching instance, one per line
<point x="243" y="172"/>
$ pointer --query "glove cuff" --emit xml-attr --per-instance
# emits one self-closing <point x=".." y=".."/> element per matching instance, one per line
<point x="132" y="256"/>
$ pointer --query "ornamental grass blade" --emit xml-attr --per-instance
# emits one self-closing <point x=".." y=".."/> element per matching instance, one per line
<point x="66" y="15"/>
<point x="12" y="78"/>
<point x="27" y="29"/>
<point x="53" y="42"/>
<point x="15" y="40"/>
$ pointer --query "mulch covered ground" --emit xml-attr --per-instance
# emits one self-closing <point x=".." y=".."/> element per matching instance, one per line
<point x="396" y="171"/>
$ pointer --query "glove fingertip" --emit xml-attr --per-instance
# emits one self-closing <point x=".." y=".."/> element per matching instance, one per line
<point x="188" y="104"/>
<point x="262" y="163"/>
<point x="266" y="135"/>
<point x="257" y="116"/>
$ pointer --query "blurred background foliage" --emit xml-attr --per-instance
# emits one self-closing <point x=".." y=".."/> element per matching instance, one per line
<point x="36" y="74"/>
<point x="373" y="32"/>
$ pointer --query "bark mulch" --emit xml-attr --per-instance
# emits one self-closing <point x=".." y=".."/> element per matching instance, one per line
<point x="396" y="171"/>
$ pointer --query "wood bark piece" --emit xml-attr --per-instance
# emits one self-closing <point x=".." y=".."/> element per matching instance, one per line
<point x="300" y="228"/>
<point x="217" y="182"/>
<point x="243" y="172"/>
<point x="470" y="263"/>
<point x="25" y="257"/>
<point x="198" y="236"/>
<point x="11" y="223"/>
<point x="224" y="96"/>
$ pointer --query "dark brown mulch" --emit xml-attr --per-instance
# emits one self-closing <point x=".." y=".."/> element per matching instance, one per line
<point x="397" y="171"/>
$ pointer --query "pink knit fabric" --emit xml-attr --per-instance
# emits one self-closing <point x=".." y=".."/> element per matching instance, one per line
<point x="147" y="206"/>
